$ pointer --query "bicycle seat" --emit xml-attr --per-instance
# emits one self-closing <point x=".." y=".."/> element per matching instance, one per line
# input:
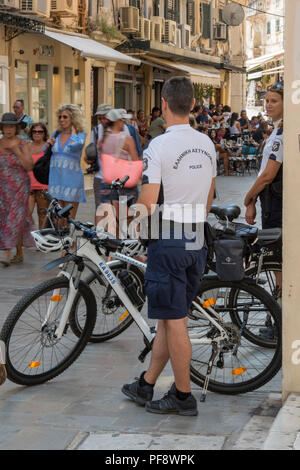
<point x="269" y="236"/>
<point x="228" y="212"/>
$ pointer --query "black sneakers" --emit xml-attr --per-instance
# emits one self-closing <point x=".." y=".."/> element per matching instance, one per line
<point x="138" y="393"/>
<point x="171" y="404"/>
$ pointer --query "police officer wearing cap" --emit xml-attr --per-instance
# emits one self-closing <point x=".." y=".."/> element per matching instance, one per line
<point x="182" y="161"/>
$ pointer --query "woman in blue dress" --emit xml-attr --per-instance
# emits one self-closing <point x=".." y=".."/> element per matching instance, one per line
<point x="66" y="178"/>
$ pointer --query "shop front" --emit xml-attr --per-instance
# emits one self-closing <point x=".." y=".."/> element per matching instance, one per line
<point x="55" y="67"/>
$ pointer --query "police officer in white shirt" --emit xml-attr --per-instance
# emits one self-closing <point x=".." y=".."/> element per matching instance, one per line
<point x="268" y="185"/>
<point x="183" y="163"/>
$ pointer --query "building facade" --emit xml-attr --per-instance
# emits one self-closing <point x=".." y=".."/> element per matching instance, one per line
<point x="265" y="47"/>
<point x="119" y="52"/>
<point x="173" y="37"/>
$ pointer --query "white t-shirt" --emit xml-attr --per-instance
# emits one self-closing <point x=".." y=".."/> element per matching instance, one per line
<point x="184" y="161"/>
<point x="273" y="149"/>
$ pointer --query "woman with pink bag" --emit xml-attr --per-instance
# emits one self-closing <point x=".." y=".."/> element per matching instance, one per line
<point x="118" y="144"/>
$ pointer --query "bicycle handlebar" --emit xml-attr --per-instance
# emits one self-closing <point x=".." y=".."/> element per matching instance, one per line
<point x="60" y="213"/>
<point x="119" y="183"/>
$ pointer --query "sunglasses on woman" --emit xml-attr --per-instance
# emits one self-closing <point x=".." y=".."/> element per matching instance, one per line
<point x="38" y="132"/>
<point x="63" y="117"/>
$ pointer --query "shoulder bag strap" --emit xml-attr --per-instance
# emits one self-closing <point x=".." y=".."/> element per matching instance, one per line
<point x="120" y="145"/>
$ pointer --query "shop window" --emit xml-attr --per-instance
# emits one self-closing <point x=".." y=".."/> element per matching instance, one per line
<point x="68" y="84"/>
<point x="41" y="95"/>
<point x="21" y="83"/>
<point x="79" y="95"/>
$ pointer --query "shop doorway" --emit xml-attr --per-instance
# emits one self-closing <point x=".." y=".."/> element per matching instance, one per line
<point x="123" y="95"/>
<point x="41" y="95"/>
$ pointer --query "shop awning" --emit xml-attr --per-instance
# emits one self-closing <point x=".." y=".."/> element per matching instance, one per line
<point x="252" y="64"/>
<point x="274" y="70"/>
<point x="90" y="48"/>
<point x="198" y="74"/>
<point x="254" y="76"/>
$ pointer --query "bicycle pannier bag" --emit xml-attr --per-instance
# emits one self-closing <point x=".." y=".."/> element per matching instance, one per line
<point x="229" y="259"/>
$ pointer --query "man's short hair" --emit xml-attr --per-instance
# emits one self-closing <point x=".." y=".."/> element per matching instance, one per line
<point x="20" y="101"/>
<point x="178" y="92"/>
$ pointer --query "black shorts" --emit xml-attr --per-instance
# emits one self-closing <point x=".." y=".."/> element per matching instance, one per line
<point x="274" y="219"/>
<point x="172" y="278"/>
<point x="104" y="194"/>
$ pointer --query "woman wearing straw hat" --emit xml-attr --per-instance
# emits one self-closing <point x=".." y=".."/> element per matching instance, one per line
<point x="15" y="162"/>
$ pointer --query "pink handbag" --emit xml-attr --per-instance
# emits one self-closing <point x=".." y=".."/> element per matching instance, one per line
<point x="115" y="167"/>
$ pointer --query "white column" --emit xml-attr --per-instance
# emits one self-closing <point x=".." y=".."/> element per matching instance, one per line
<point x="291" y="204"/>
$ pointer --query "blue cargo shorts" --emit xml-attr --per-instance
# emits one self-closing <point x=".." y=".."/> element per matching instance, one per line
<point x="172" y="277"/>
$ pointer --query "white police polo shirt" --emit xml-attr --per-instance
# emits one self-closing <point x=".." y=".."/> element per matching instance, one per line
<point x="273" y="149"/>
<point x="183" y="160"/>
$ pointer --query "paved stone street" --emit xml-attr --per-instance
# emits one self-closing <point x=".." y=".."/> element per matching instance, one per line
<point x="84" y="407"/>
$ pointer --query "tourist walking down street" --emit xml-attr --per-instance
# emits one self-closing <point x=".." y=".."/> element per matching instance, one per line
<point x="66" y="178"/>
<point x="117" y="143"/>
<point x="39" y="136"/>
<point x="173" y="269"/>
<point x="24" y="119"/>
<point x="15" y="162"/>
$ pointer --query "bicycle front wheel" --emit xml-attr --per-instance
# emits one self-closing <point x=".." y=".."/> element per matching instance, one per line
<point x="33" y="353"/>
<point x="240" y="365"/>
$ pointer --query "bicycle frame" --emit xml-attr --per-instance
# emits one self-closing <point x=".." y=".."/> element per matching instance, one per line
<point x="87" y="250"/>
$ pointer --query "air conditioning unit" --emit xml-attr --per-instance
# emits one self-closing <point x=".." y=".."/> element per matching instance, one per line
<point x="35" y="7"/>
<point x="64" y="7"/>
<point x="170" y="32"/>
<point x="156" y="32"/>
<point x="157" y="26"/>
<point x="185" y="35"/>
<point x="220" y="31"/>
<point x="129" y="19"/>
<point x="178" y="38"/>
<point x="9" y="4"/>
<point x="144" y="29"/>
<point x="159" y="20"/>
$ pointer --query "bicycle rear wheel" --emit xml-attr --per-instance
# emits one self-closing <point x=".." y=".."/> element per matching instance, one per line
<point x="241" y="366"/>
<point x="112" y="317"/>
<point x="260" y="320"/>
<point x="33" y="354"/>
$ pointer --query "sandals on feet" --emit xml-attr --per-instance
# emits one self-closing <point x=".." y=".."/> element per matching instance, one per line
<point x="17" y="259"/>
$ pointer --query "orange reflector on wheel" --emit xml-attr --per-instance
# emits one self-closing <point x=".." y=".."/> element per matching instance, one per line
<point x="209" y="302"/>
<point x="123" y="316"/>
<point x="34" y="364"/>
<point x="239" y="371"/>
<point x="56" y="298"/>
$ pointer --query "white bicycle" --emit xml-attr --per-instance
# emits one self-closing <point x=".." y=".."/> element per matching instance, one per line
<point x="42" y="337"/>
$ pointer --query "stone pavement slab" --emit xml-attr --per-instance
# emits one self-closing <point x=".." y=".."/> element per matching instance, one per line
<point x="121" y="441"/>
<point x="284" y="433"/>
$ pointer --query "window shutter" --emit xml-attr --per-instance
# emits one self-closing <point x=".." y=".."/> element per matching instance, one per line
<point x="206" y="21"/>
<point x="190" y="15"/>
<point x="172" y="10"/>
